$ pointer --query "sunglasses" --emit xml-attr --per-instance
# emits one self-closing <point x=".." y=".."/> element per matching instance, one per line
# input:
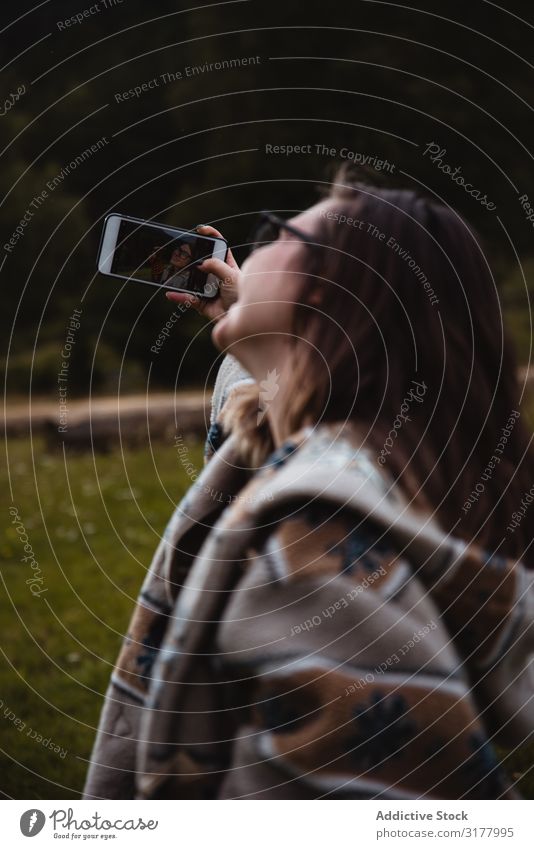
<point x="267" y="231"/>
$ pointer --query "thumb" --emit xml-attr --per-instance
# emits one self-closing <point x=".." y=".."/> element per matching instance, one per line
<point x="219" y="267"/>
<point x="226" y="275"/>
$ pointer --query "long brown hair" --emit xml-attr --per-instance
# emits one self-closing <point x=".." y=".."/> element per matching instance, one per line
<point x="412" y="337"/>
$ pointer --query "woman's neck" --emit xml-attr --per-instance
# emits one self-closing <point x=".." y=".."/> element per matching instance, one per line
<point x="269" y="365"/>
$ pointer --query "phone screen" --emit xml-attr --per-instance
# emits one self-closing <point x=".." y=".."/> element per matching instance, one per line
<point x="159" y="255"/>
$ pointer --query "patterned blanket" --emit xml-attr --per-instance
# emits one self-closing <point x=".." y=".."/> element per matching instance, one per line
<point x="303" y="633"/>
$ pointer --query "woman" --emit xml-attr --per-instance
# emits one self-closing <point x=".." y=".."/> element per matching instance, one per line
<point x="177" y="271"/>
<point x="353" y="619"/>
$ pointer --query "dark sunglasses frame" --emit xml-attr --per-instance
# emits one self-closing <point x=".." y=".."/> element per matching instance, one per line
<point x="277" y="224"/>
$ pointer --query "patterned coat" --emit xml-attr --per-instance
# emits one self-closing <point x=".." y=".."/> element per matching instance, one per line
<point x="305" y="633"/>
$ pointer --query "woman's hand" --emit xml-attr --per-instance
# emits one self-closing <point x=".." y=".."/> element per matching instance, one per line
<point x="225" y="271"/>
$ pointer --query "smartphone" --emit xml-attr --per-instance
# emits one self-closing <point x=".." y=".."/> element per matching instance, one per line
<point x="146" y="252"/>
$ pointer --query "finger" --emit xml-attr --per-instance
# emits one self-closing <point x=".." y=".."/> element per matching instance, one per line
<point x="221" y="269"/>
<point x="183" y="298"/>
<point x="213" y="309"/>
<point x="227" y="277"/>
<point x="208" y="230"/>
<point x="209" y="308"/>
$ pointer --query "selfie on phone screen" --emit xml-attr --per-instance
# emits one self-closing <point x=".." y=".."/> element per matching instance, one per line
<point x="145" y="252"/>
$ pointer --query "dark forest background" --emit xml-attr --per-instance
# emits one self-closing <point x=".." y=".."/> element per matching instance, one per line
<point x="375" y="77"/>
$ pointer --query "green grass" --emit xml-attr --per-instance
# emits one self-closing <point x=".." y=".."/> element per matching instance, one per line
<point x="93" y="525"/>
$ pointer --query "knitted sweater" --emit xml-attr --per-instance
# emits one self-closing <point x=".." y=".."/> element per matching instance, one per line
<point x="230" y="375"/>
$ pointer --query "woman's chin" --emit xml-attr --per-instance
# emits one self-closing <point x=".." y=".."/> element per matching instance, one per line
<point x="221" y="334"/>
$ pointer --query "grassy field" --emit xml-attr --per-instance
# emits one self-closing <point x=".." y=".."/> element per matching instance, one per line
<point x="93" y="524"/>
